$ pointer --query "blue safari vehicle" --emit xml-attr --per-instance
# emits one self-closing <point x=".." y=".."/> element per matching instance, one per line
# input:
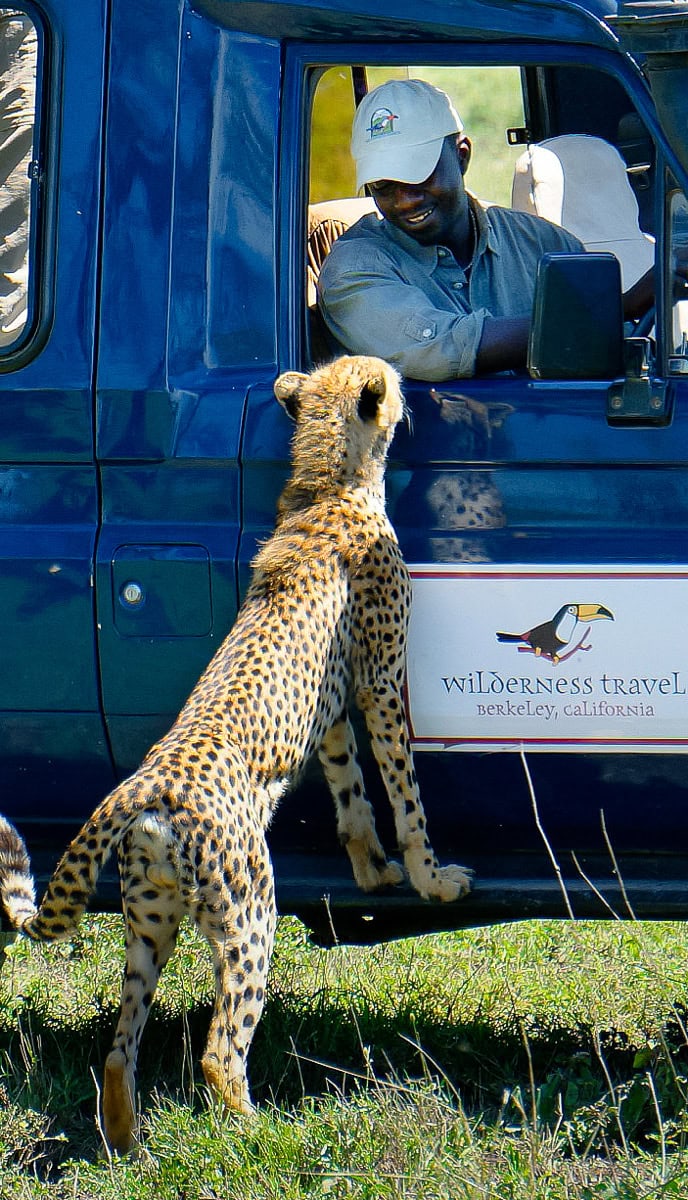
<point x="173" y="173"/>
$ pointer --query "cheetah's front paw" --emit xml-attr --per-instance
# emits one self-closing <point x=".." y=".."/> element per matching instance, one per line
<point x="376" y="874"/>
<point x="372" y="869"/>
<point x="452" y="883"/>
<point x="442" y="883"/>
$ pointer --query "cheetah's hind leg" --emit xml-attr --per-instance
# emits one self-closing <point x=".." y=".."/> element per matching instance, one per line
<point x="237" y="915"/>
<point x="355" y="819"/>
<point x="153" y="909"/>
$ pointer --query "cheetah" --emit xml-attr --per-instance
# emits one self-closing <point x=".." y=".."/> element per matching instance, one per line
<point x="324" y="622"/>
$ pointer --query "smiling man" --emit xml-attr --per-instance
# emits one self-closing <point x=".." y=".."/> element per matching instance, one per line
<point x="442" y="286"/>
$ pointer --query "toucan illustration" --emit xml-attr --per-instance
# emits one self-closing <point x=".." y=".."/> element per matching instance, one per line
<point x="553" y="637"/>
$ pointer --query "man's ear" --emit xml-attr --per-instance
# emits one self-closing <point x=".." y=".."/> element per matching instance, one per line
<point x="464" y="149"/>
<point x="287" y="389"/>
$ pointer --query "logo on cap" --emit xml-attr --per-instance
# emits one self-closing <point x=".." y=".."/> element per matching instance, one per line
<point x="381" y="123"/>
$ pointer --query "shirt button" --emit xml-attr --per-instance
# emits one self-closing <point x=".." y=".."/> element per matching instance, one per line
<point x="457" y="285"/>
<point x="427" y="333"/>
<point x="442" y="253"/>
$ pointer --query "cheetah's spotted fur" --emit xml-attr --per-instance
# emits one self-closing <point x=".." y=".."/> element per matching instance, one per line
<point x="325" y="619"/>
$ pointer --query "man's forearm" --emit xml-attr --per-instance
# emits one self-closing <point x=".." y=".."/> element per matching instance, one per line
<point x="503" y="345"/>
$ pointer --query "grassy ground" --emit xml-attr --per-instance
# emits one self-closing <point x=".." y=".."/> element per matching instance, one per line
<point x="540" y="1060"/>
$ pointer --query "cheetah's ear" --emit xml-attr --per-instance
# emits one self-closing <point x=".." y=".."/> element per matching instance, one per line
<point x="370" y="396"/>
<point x="287" y="389"/>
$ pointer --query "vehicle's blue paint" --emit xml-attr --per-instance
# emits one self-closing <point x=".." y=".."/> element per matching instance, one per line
<point x="51" y="726"/>
<point x="141" y="446"/>
<point x="50" y="761"/>
<point x="343" y="20"/>
<point x="186" y="513"/>
<point x="190" y="183"/>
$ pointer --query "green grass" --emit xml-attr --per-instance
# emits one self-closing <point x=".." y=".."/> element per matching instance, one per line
<point x="540" y="1060"/>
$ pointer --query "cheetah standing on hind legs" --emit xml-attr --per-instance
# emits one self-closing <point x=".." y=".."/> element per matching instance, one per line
<point x="324" y="622"/>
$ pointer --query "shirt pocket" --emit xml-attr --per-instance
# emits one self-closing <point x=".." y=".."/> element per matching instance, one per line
<point x="420" y="331"/>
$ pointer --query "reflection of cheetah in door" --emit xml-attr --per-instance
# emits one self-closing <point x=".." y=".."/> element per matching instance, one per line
<point x="324" y="619"/>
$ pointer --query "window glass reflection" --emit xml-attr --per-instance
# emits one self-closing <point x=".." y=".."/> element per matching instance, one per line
<point x="18" y="58"/>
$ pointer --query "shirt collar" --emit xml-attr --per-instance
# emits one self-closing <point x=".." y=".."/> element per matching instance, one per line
<point x="486" y="236"/>
<point x="427" y="255"/>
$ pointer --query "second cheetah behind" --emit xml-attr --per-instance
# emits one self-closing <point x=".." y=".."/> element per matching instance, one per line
<point x="324" y="621"/>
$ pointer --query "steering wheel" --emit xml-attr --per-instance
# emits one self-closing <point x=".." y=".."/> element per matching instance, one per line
<point x="644" y="324"/>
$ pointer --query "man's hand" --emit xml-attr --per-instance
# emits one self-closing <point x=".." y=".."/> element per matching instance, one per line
<point x="640" y="297"/>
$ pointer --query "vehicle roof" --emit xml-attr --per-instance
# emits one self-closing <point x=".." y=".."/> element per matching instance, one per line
<point x="524" y="20"/>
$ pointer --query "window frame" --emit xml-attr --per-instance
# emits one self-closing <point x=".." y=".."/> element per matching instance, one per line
<point x="303" y="64"/>
<point x="676" y="363"/>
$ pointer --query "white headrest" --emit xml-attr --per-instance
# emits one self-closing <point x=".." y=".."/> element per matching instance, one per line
<point x="580" y="182"/>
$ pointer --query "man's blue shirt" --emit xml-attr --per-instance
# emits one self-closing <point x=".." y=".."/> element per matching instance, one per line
<point x="381" y="292"/>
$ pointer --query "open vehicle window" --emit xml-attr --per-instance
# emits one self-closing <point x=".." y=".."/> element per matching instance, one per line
<point x="563" y="142"/>
<point x="489" y="101"/>
<point x="18" y="70"/>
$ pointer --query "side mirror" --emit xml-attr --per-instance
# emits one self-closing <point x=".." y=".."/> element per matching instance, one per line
<point x="577" y="326"/>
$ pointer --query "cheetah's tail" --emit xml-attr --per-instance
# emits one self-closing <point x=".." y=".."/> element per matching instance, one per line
<point x="17" y="893"/>
<point x="75" y="876"/>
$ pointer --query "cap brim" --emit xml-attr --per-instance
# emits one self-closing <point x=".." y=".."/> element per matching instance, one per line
<point x="408" y="164"/>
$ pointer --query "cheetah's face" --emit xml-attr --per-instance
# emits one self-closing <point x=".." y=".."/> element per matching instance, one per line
<point x="354" y="402"/>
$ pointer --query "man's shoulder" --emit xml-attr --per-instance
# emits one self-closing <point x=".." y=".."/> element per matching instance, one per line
<point x="515" y="223"/>
<point x="368" y="227"/>
<point x="366" y="240"/>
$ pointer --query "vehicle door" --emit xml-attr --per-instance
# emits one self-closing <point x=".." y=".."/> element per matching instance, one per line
<point x="521" y="501"/>
<point x="53" y="750"/>
<point x="186" y="330"/>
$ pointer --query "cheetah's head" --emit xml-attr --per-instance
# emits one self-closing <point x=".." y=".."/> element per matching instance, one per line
<point x="345" y="415"/>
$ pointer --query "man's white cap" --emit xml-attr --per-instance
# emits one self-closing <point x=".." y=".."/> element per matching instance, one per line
<point x="399" y="129"/>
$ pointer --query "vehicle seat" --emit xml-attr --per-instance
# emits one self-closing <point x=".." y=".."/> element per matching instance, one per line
<point x="580" y="182"/>
<point x="327" y="221"/>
